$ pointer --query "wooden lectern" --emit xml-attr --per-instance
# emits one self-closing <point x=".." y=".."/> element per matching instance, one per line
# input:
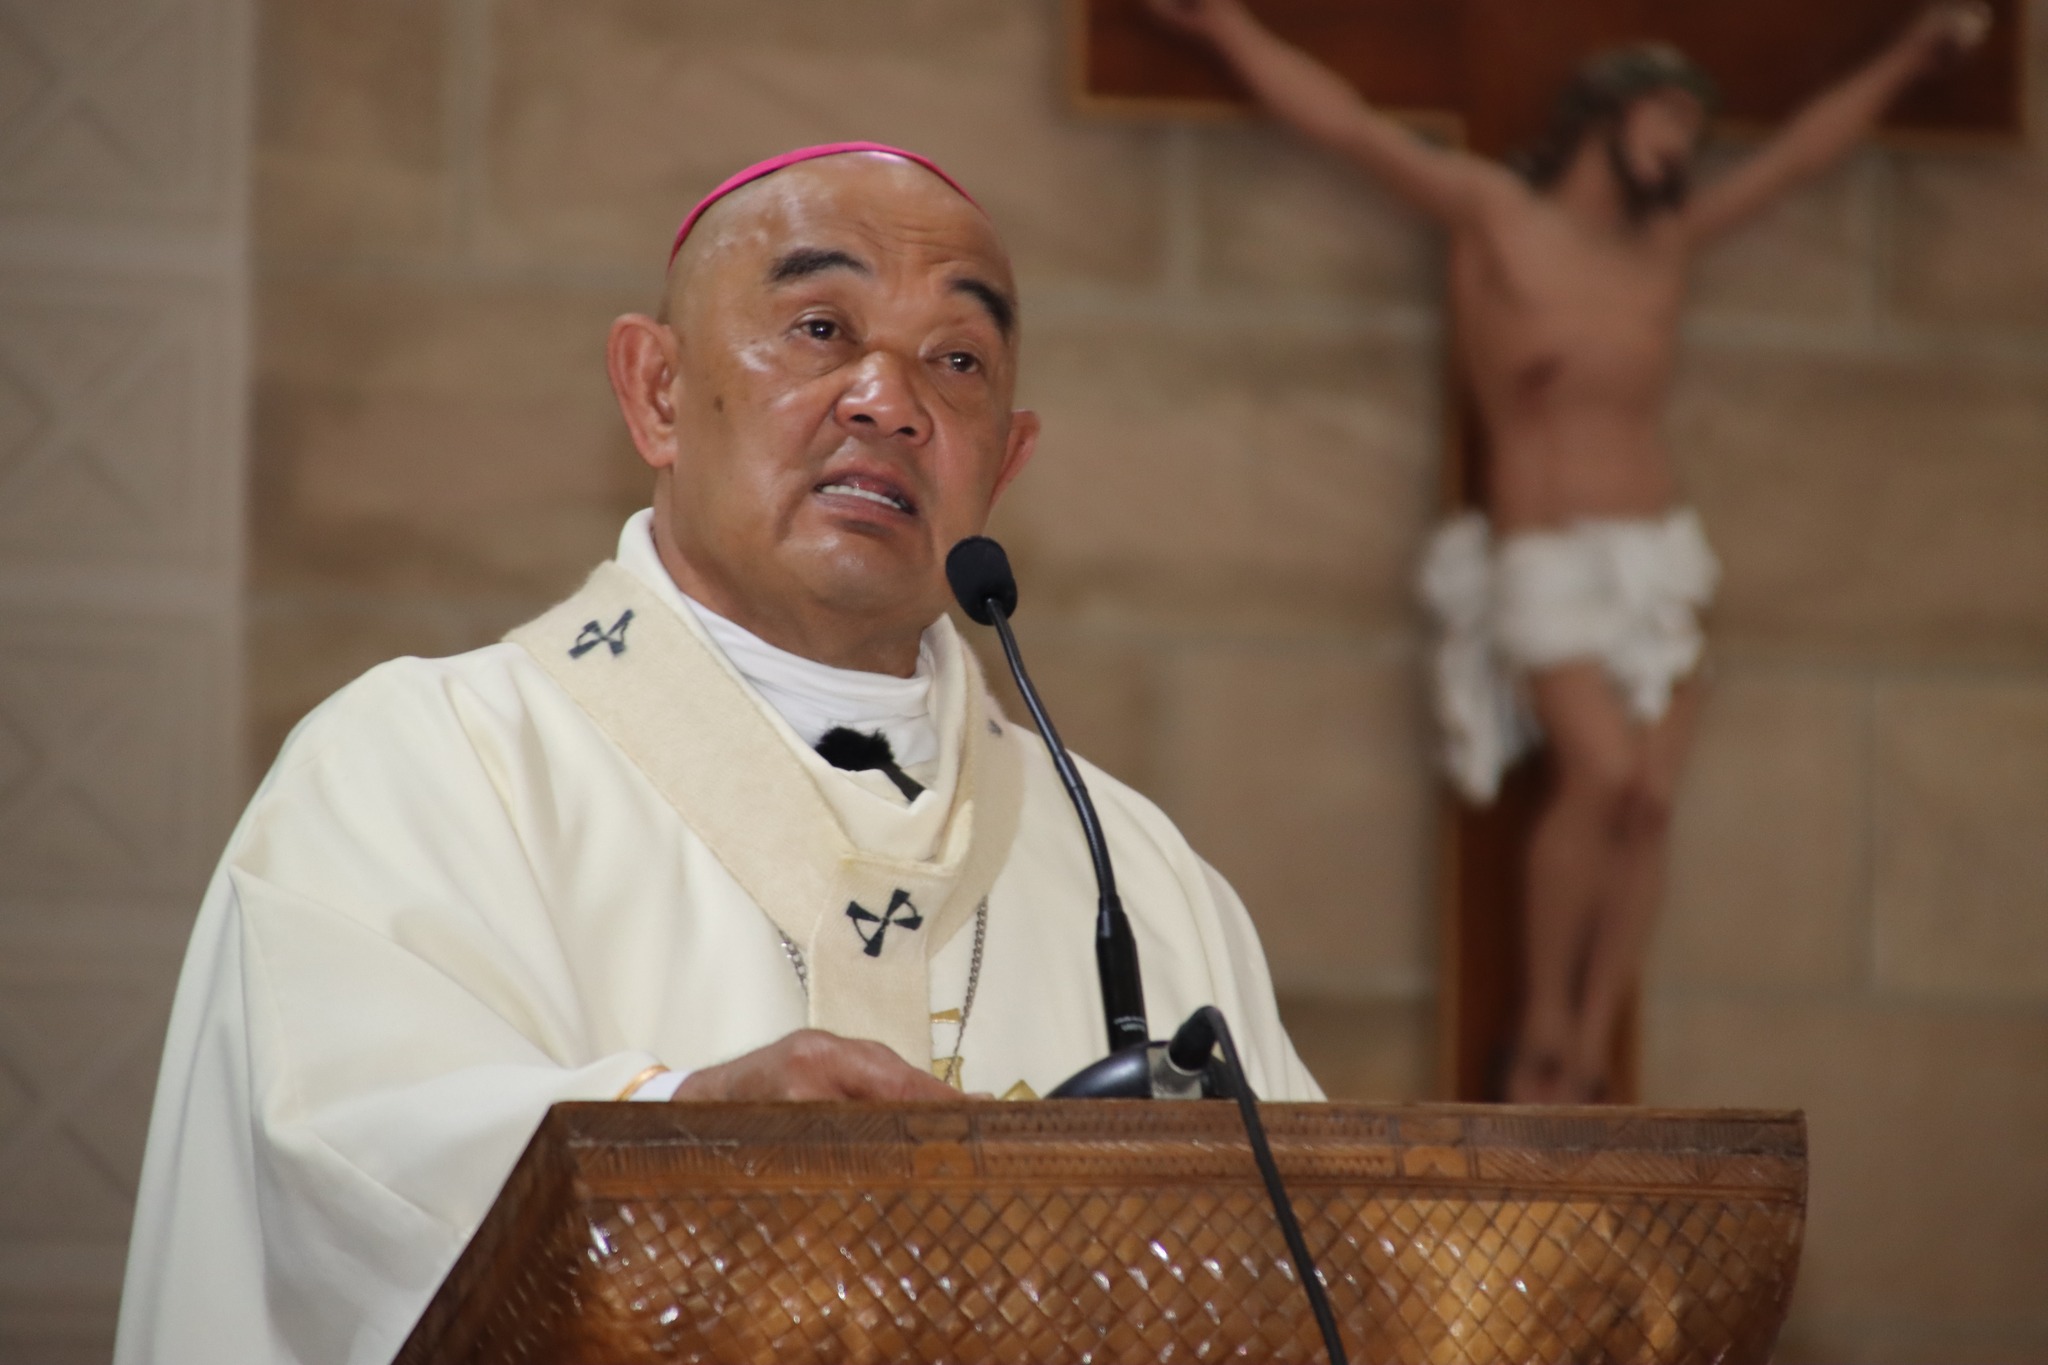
<point x="1111" y="1232"/>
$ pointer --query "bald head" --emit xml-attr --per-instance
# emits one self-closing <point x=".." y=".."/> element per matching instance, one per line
<point x="875" y="192"/>
<point x="826" y="402"/>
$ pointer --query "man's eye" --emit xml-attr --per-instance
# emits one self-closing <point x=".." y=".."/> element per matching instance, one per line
<point x="962" y="362"/>
<point x="820" y="329"/>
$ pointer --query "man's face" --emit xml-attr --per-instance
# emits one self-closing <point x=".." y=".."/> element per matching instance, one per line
<point x="846" y="359"/>
<point x="1652" y="150"/>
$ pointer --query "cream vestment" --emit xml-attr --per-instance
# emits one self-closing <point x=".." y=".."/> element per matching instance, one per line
<point x="471" y="887"/>
<point x="1625" y="593"/>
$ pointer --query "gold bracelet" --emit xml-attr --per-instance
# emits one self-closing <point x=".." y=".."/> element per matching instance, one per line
<point x="643" y="1078"/>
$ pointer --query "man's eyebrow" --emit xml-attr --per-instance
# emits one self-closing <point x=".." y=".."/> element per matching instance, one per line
<point x="813" y="260"/>
<point x="1000" y="306"/>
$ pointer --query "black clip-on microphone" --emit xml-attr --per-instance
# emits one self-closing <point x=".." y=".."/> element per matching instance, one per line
<point x="1137" y="1067"/>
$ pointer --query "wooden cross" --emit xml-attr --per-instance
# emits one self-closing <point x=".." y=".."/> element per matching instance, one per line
<point x="1492" y="67"/>
<point x="1487" y="72"/>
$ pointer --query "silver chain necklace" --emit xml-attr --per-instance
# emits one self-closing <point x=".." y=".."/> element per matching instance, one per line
<point x="803" y="975"/>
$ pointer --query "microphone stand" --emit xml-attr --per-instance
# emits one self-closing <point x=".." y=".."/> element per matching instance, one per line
<point x="1188" y="1066"/>
<point x="1116" y="951"/>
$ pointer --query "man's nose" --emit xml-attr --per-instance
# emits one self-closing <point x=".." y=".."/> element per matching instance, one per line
<point x="882" y="402"/>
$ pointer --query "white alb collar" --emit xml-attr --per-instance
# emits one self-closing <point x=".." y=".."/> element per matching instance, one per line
<point x="812" y="697"/>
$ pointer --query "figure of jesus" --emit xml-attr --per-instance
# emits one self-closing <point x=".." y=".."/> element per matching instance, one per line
<point x="1569" y="610"/>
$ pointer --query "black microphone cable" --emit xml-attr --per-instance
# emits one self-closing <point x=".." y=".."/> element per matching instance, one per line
<point x="1190" y="1050"/>
<point x="978" y="571"/>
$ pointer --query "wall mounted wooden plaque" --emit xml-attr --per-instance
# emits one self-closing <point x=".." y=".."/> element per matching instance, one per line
<point x="1124" y="1232"/>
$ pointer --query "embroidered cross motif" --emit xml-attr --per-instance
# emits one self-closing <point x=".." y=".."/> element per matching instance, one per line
<point x="862" y="916"/>
<point x="594" y="635"/>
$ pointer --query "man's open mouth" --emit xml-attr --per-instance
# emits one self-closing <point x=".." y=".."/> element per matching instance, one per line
<point x="870" y="491"/>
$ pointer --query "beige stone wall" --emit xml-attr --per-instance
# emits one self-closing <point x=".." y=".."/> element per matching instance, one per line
<point x="1859" y="911"/>
<point x="124" y="271"/>
<point x="1236" y="350"/>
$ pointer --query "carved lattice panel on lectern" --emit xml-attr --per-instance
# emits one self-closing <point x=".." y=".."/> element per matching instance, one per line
<point x="1121" y="1232"/>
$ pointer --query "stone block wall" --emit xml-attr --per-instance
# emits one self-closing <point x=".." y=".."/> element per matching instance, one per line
<point x="1237" y="351"/>
<point x="1858" y="922"/>
<point x="124" y="272"/>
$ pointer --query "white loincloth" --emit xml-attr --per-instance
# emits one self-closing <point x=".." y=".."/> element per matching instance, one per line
<point x="1625" y="593"/>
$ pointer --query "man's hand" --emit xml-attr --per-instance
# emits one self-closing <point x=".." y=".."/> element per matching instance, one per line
<point x="813" y="1065"/>
<point x="1947" y="32"/>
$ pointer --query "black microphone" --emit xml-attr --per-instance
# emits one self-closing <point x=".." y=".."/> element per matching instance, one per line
<point x="1187" y="1066"/>
<point x="979" y="573"/>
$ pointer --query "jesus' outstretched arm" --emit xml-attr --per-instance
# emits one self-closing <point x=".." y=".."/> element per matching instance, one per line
<point x="1323" y="107"/>
<point x="1829" y="127"/>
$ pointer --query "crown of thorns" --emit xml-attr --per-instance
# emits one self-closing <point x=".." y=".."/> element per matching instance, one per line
<point x="1610" y="81"/>
<point x="1605" y="85"/>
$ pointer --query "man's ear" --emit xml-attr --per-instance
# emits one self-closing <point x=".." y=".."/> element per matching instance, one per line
<point x="1017" y="451"/>
<point x="641" y="357"/>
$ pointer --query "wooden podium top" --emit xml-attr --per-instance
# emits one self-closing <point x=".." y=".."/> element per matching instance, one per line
<point x="1117" y="1231"/>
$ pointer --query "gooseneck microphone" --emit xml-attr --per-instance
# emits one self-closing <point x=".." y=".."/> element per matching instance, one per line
<point x="979" y="573"/>
<point x="1189" y="1066"/>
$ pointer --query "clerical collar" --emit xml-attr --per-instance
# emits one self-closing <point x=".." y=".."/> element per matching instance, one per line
<point x="812" y="697"/>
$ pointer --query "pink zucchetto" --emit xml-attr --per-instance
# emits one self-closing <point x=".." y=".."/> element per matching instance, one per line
<point x="776" y="163"/>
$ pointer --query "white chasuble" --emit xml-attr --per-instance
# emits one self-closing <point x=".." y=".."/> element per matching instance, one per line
<point x="472" y="887"/>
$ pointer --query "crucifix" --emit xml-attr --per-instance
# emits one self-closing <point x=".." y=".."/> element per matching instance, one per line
<point x="1561" y="462"/>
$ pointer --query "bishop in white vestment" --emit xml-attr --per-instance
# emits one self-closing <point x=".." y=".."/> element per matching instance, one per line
<point x="604" y="858"/>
